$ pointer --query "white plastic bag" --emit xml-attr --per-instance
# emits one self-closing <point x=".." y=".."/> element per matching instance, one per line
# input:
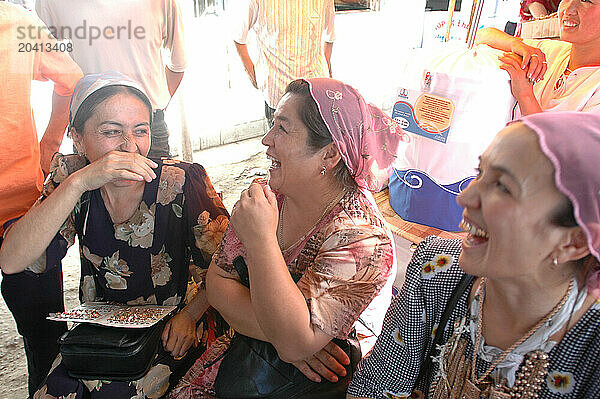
<point x="433" y="169"/>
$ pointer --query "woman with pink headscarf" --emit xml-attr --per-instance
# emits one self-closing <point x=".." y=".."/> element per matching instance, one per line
<point x="526" y="323"/>
<point x="306" y="253"/>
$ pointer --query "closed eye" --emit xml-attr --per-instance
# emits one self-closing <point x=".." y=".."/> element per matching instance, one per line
<point x="501" y="187"/>
<point x="112" y="132"/>
<point x="141" y="132"/>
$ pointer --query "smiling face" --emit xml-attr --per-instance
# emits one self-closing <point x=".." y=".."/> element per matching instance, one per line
<point x="508" y="209"/>
<point x="580" y="22"/>
<point x="294" y="164"/>
<point x="119" y="123"/>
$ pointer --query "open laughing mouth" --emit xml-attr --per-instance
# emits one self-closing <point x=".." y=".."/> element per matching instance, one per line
<point x="569" y="24"/>
<point x="275" y="164"/>
<point x="476" y="235"/>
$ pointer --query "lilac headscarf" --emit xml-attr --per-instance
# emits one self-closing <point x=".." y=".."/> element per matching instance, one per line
<point x="91" y="83"/>
<point x="367" y="138"/>
<point x="571" y="140"/>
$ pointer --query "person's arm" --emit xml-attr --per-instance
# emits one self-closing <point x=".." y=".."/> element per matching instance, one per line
<point x="65" y="73"/>
<point x="55" y="130"/>
<point x="205" y="219"/>
<point x="28" y="238"/>
<point x="525" y="65"/>
<point x="520" y="84"/>
<point x="173" y="80"/>
<point x="532" y="58"/>
<point x="496" y="38"/>
<point x="242" y="50"/>
<point x="246" y="15"/>
<point x="537" y="10"/>
<point x="327" y="50"/>
<point x="286" y="324"/>
<point x="180" y="332"/>
<point x="232" y="300"/>
<point x="329" y="34"/>
<point x="175" y="43"/>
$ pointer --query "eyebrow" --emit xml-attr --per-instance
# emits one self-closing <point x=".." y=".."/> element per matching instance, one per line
<point x="501" y="169"/>
<point x="120" y="124"/>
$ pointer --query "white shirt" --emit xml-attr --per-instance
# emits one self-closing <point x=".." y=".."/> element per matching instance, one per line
<point x="580" y="90"/>
<point x="131" y="35"/>
<point x="289" y="35"/>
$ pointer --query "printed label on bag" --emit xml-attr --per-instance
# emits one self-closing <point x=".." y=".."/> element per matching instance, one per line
<point x="424" y="114"/>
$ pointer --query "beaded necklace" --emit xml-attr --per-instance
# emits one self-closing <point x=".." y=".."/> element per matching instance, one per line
<point x="471" y="389"/>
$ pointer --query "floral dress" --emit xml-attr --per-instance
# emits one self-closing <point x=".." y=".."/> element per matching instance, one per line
<point x="339" y="267"/>
<point x="158" y="256"/>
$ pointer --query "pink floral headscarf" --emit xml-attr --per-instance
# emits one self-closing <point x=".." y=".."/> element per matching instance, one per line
<point x="571" y="140"/>
<point x="367" y="138"/>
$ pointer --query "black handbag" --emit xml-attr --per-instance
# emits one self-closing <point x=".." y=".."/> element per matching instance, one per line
<point x="95" y="352"/>
<point x="252" y="368"/>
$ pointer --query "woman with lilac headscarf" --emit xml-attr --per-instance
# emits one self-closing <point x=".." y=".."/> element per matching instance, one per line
<point x="146" y="229"/>
<point x="527" y="324"/>
<point x="315" y="247"/>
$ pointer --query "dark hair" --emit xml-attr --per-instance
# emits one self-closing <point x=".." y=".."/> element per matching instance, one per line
<point x="318" y="133"/>
<point x="89" y="105"/>
<point x="564" y="216"/>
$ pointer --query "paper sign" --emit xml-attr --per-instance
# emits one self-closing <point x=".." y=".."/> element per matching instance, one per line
<point x="424" y="114"/>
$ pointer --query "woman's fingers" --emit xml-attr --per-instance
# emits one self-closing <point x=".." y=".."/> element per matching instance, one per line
<point x="525" y="60"/>
<point x="532" y="59"/>
<point x="535" y="70"/>
<point x="338" y="353"/>
<point x="255" y="192"/>
<point x="321" y="369"/>
<point x="512" y="59"/>
<point x="511" y="65"/>
<point x="539" y="71"/>
<point x="127" y="175"/>
<point x="326" y="363"/>
<point x="116" y="161"/>
<point x="270" y="195"/>
<point x="331" y="364"/>
<point x="307" y="371"/>
<point x="180" y="346"/>
<point x="139" y="165"/>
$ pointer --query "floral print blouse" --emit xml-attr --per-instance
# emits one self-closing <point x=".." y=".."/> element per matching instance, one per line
<point x="148" y="258"/>
<point x="339" y="267"/>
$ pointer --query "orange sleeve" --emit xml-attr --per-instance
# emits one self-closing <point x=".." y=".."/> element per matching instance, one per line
<point x="54" y="65"/>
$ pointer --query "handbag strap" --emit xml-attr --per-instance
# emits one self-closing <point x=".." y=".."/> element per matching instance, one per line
<point x="464" y="283"/>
